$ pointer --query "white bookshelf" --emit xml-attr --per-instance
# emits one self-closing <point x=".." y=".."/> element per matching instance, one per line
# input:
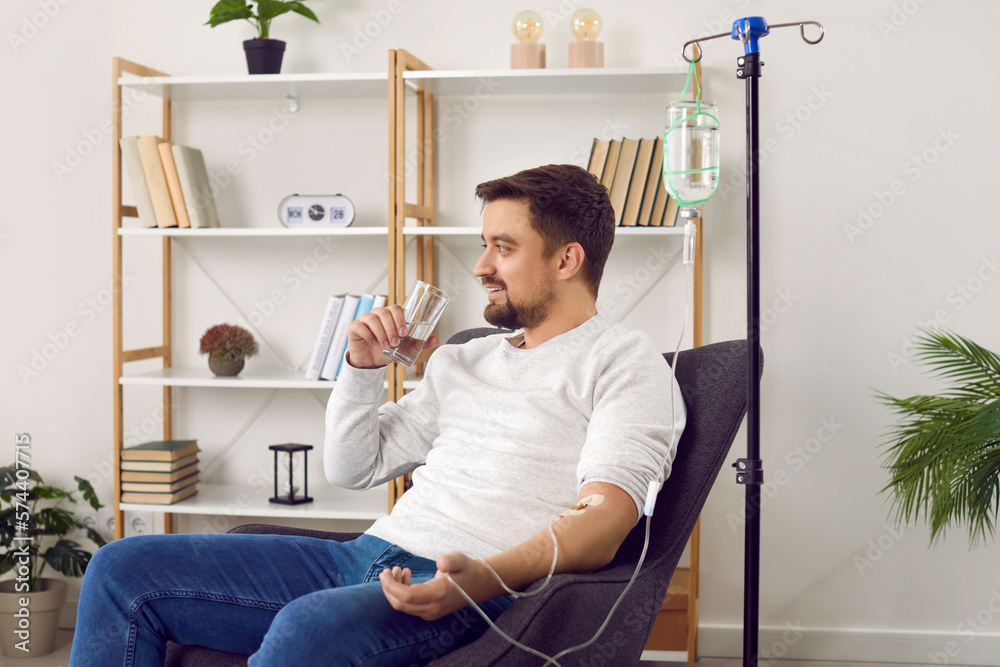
<point x="564" y="81"/>
<point x="262" y="86"/>
<point x="329" y="502"/>
<point x="476" y="231"/>
<point x="536" y="82"/>
<point x="247" y="379"/>
<point x="240" y="232"/>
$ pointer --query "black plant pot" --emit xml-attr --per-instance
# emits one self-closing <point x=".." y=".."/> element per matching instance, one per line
<point x="264" y="55"/>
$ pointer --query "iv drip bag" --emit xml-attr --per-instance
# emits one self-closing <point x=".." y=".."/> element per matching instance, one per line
<point x="691" y="152"/>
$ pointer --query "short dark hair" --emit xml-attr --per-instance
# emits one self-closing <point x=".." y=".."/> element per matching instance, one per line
<point x="567" y="204"/>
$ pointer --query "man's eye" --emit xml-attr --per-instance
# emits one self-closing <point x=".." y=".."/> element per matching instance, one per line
<point x="502" y="248"/>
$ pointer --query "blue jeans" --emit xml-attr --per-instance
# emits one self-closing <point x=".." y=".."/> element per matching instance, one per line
<point x="280" y="599"/>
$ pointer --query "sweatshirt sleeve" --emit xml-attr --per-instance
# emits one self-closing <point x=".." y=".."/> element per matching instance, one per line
<point x="366" y="445"/>
<point x="633" y="430"/>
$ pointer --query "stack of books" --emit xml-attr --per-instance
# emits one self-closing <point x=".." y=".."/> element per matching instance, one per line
<point x="327" y="358"/>
<point x="169" y="182"/>
<point x="159" y="473"/>
<point x="632" y="171"/>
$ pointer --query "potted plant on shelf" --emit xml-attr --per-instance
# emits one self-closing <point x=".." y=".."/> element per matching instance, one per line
<point x="32" y="518"/>
<point x="944" y="458"/>
<point x="263" y="53"/>
<point x="227" y="347"/>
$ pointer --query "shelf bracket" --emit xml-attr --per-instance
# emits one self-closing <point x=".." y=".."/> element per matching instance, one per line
<point x="293" y="103"/>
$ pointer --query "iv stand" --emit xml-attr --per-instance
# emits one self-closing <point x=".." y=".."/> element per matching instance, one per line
<point x="750" y="470"/>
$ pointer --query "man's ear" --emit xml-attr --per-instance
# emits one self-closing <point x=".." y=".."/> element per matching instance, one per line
<point x="570" y="260"/>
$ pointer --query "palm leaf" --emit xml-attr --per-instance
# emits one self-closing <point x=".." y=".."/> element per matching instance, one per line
<point x="943" y="458"/>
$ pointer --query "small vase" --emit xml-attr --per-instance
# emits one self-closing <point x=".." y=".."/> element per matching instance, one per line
<point x="226" y="368"/>
<point x="264" y="55"/>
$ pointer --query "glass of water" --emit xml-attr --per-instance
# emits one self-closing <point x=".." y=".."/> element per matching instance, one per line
<point x="422" y="310"/>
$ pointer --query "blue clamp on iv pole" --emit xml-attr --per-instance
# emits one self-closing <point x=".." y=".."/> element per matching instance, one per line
<point x="748" y="30"/>
<point x="750" y="470"/>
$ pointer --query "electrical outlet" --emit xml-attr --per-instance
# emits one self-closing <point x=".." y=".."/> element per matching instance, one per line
<point x="102" y="520"/>
<point x="138" y="523"/>
<point x="106" y="523"/>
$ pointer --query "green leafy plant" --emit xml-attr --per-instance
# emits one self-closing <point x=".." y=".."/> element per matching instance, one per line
<point x="32" y="515"/>
<point x="228" y="342"/>
<point x="944" y="457"/>
<point x="225" y="11"/>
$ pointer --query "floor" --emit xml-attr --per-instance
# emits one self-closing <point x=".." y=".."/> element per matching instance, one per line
<point x="64" y="639"/>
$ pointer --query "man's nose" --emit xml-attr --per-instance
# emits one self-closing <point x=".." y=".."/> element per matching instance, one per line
<point x="484" y="267"/>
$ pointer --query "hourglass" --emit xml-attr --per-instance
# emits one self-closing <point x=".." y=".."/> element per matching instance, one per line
<point x="290" y="498"/>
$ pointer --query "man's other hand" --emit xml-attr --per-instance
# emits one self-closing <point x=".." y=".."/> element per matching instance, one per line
<point x="438" y="597"/>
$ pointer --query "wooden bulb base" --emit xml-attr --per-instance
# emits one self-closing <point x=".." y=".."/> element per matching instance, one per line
<point x="527" y="55"/>
<point x="586" y="54"/>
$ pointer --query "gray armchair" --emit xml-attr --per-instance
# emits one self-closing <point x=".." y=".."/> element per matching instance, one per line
<point x="713" y="380"/>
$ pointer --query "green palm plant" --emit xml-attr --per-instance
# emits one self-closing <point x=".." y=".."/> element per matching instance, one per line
<point x="943" y="458"/>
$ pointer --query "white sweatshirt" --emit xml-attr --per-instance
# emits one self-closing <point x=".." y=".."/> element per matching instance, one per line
<point x="501" y="439"/>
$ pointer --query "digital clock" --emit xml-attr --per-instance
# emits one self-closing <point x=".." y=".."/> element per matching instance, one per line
<point x="315" y="211"/>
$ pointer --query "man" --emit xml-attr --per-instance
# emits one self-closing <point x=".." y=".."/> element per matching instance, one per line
<point x="504" y="435"/>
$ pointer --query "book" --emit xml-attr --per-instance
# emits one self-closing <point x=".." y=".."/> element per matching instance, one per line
<point x="159" y="498"/>
<point x="365" y="305"/>
<point x="173" y="183"/>
<point x="168" y="476"/>
<point x="160" y="487"/>
<point x="670" y="214"/>
<point x="339" y="342"/>
<point x="196" y="186"/>
<point x="137" y="180"/>
<point x="614" y="150"/>
<point x="623" y="176"/>
<point x="160" y="450"/>
<point x="637" y="187"/>
<point x="156" y="181"/>
<point x="325" y="335"/>
<point x="654" y="182"/>
<point x="659" y="206"/>
<point x="598" y="156"/>
<point x="380" y="300"/>
<point x="159" y="466"/>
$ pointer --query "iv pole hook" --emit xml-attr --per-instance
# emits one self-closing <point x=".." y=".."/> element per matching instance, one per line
<point x="802" y="31"/>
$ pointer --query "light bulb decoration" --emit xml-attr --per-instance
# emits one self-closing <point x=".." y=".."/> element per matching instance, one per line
<point x="586" y="25"/>
<point x="528" y="53"/>
<point x="586" y="51"/>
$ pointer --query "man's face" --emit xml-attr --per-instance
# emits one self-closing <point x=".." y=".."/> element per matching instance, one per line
<point x="512" y="267"/>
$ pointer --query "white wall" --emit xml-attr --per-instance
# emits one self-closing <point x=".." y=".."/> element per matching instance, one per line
<point x="891" y="82"/>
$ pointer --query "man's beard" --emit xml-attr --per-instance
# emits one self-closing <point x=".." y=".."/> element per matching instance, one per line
<point x="523" y="315"/>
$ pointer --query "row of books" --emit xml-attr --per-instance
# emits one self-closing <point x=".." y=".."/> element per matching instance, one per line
<point x="327" y="358"/>
<point x="160" y="472"/>
<point x="632" y="171"/>
<point x="170" y="183"/>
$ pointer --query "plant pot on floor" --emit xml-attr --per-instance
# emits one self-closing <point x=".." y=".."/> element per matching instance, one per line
<point x="264" y="55"/>
<point x="31" y="627"/>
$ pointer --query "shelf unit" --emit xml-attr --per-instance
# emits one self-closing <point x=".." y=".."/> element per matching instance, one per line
<point x="407" y="222"/>
<point x="214" y="498"/>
